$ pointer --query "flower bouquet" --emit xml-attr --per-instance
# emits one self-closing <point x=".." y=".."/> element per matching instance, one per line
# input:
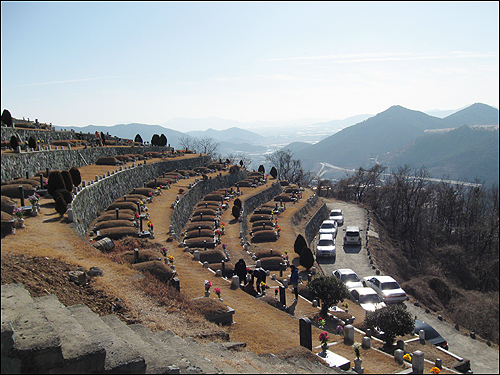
<point x="323" y="337"/>
<point x="217" y="291"/>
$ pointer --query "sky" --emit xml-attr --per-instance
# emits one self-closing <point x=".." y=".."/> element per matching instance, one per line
<point x="108" y="63"/>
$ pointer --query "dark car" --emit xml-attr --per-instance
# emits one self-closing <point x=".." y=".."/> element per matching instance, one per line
<point x="431" y="334"/>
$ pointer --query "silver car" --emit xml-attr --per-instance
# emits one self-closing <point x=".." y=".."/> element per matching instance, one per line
<point x="328" y="227"/>
<point x="367" y="298"/>
<point x="386" y="287"/>
<point x="325" y="247"/>
<point x="349" y="277"/>
<point x="338" y="216"/>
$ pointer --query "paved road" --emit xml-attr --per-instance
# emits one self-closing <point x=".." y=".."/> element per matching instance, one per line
<point x="484" y="359"/>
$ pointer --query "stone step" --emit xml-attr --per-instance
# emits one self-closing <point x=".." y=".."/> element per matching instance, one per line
<point x="188" y="352"/>
<point x="120" y="356"/>
<point x="261" y="365"/>
<point x="216" y="358"/>
<point x="82" y="352"/>
<point x="280" y="365"/>
<point x="37" y="347"/>
<point x="157" y="357"/>
<point x="219" y="354"/>
<point x="312" y="367"/>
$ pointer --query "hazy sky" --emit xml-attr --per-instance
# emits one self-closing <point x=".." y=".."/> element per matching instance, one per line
<point x="106" y="63"/>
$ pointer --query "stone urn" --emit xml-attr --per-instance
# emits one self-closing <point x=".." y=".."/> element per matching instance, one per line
<point x="207" y="294"/>
<point x="357" y="366"/>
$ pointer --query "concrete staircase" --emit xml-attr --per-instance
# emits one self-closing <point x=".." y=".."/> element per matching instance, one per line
<point x="41" y="335"/>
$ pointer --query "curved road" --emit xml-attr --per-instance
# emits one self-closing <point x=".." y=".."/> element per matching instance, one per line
<point x="484" y="359"/>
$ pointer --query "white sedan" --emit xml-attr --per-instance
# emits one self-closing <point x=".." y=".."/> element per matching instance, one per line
<point x="367" y="298"/>
<point x="386" y="287"/>
<point x="338" y="216"/>
<point x="328" y="227"/>
<point x="349" y="277"/>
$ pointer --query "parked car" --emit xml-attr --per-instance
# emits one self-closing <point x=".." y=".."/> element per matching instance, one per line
<point x="328" y="227"/>
<point x="431" y="334"/>
<point x="352" y="236"/>
<point x="338" y="216"/>
<point x="386" y="287"/>
<point x="367" y="298"/>
<point x="325" y="247"/>
<point x="349" y="277"/>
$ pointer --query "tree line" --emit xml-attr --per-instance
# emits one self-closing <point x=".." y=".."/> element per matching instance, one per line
<point x="452" y="227"/>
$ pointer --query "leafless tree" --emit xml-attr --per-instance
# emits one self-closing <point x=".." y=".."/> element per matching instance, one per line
<point x="288" y="168"/>
<point x="186" y="142"/>
<point x="206" y="145"/>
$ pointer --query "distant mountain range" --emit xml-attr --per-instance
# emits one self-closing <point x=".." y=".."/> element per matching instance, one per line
<point x="398" y="136"/>
<point x="393" y="137"/>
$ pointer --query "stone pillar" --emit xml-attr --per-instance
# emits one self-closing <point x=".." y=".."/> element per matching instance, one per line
<point x="417" y="362"/>
<point x="398" y="356"/>
<point x="223" y="267"/>
<point x="21" y="192"/>
<point x="348" y="334"/>
<point x="438" y="363"/>
<point x="235" y="282"/>
<point x="136" y="255"/>
<point x="205" y="264"/>
<point x="305" y="333"/>
<point x="117" y="213"/>
<point x="176" y="284"/>
<point x="366" y="342"/>
<point x="196" y="255"/>
<point x="282" y="295"/>
<point x="421" y="336"/>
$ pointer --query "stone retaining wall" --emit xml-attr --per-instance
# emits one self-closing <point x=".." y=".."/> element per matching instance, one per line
<point x="184" y="208"/>
<point x="93" y="199"/>
<point x="47" y="135"/>
<point x="313" y="225"/>
<point x="16" y="165"/>
<point x="255" y="201"/>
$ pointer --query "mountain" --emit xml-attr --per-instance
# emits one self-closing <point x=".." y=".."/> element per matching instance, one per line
<point x="391" y="136"/>
<point x="230" y="135"/>
<point x="463" y="153"/>
<point x="202" y="123"/>
<point x="353" y="146"/>
<point x="476" y="114"/>
<point x="129" y="131"/>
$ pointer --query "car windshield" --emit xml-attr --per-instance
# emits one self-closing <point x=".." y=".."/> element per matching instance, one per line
<point x="352" y="234"/>
<point x="390" y="285"/>
<point x="370" y="298"/>
<point x="327" y="226"/>
<point x="349" y="277"/>
<point x="326" y="243"/>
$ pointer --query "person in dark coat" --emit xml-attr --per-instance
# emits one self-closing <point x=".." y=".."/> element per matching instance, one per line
<point x="240" y="268"/>
<point x="294" y="280"/>
<point x="259" y="274"/>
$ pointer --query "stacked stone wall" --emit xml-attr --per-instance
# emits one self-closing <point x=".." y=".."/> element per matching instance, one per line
<point x="18" y="164"/>
<point x="313" y="225"/>
<point x="184" y="208"/>
<point x="95" y="197"/>
<point x="250" y="204"/>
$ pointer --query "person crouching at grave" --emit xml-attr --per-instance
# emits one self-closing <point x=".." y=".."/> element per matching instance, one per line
<point x="260" y="277"/>
<point x="250" y="289"/>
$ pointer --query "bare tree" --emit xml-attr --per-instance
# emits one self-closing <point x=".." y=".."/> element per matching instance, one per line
<point x="288" y="168"/>
<point x="206" y="145"/>
<point x="186" y="142"/>
<point x="235" y="158"/>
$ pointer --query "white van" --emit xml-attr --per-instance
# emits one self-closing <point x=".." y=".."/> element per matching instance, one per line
<point x="352" y="236"/>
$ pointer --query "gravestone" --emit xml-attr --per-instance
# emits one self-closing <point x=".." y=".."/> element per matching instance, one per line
<point x="417" y="362"/>
<point x="282" y="290"/>
<point x="176" y="284"/>
<point x="235" y="282"/>
<point x="348" y="334"/>
<point x="400" y="344"/>
<point x="366" y="342"/>
<point x="305" y="333"/>
<point x="398" y="356"/>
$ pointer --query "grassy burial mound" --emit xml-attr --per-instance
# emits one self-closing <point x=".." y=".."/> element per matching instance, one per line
<point x="34" y="182"/>
<point x="264" y="211"/>
<point x="261" y="217"/>
<point x="13" y="191"/>
<point x="145" y="192"/>
<point x="205" y="211"/>
<point x="113" y="224"/>
<point x="134" y="198"/>
<point x="144" y="256"/>
<point x="214" y="197"/>
<point x="271" y="263"/>
<point x="116" y="233"/>
<point x="203" y="218"/>
<point x="8" y="204"/>
<point x="284" y="198"/>
<point x="158" y="269"/>
<point x="108" y="160"/>
<point x="264" y="236"/>
<point x="262" y="225"/>
<point x="211" y="256"/>
<point x="122" y="205"/>
<point x="202" y="242"/>
<point x="122" y="215"/>
<point x="261" y="254"/>
<point x="199" y="233"/>
<point x="200" y="224"/>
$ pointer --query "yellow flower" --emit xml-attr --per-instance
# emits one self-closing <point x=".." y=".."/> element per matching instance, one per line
<point x="407" y="356"/>
<point x="435" y="370"/>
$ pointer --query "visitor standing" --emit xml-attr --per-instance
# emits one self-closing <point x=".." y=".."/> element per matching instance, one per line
<point x="240" y="268"/>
